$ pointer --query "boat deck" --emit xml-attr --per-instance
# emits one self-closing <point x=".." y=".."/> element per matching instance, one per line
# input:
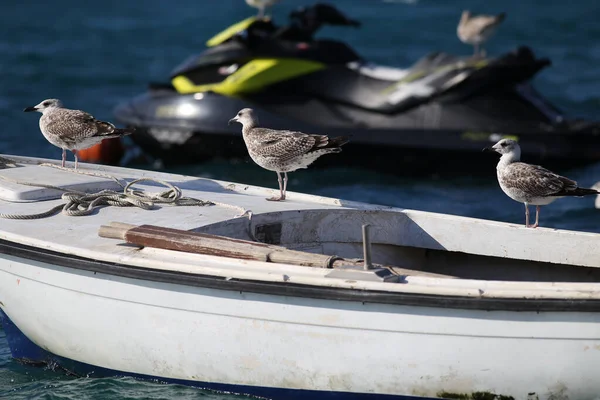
<point x="78" y="235"/>
<point x="415" y="239"/>
<point x="64" y="232"/>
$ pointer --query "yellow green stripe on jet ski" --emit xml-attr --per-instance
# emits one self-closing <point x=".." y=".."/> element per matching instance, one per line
<point x="253" y="76"/>
<point x="229" y="32"/>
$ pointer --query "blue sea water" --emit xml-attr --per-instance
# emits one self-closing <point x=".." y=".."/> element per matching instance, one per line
<point x="93" y="55"/>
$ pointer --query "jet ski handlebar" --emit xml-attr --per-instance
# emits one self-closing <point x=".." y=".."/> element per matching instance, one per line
<point x="304" y="22"/>
<point x="313" y="17"/>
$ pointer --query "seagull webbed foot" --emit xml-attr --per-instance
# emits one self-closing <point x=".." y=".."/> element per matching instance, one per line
<point x="280" y="198"/>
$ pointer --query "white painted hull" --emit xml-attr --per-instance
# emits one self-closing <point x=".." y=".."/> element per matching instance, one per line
<point x="285" y="331"/>
<point x="198" y="334"/>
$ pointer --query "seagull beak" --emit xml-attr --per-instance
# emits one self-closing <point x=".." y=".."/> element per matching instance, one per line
<point x="232" y="120"/>
<point x="29" y="109"/>
<point x="489" y="150"/>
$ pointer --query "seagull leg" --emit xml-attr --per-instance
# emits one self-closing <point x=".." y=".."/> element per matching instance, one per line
<point x="281" y="195"/>
<point x="537" y="213"/>
<point x="76" y="160"/>
<point x="64" y="157"/>
<point x="537" y="217"/>
<point x="285" y="180"/>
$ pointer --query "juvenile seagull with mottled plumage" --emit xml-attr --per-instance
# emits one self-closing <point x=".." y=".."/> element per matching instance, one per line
<point x="531" y="184"/>
<point x="283" y="151"/>
<point x="477" y="29"/>
<point x="73" y="129"/>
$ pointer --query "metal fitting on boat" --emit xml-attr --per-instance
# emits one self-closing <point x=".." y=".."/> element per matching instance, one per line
<point x="366" y="247"/>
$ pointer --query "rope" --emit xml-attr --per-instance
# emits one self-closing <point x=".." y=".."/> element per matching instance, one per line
<point x="81" y="203"/>
<point x="6" y="162"/>
<point x="45" y="214"/>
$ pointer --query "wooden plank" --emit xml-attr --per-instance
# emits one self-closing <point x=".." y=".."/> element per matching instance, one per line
<point x="204" y="243"/>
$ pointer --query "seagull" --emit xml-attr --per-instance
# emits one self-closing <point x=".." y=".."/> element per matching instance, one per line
<point x="72" y="129"/>
<point x="531" y="184"/>
<point x="283" y="151"/>
<point x="262" y="5"/>
<point x="476" y="30"/>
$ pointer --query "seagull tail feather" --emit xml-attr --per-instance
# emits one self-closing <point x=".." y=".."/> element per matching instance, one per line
<point x="338" y="141"/>
<point x="123" y="131"/>
<point x="579" y="192"/>
<point x="115" y="133"/>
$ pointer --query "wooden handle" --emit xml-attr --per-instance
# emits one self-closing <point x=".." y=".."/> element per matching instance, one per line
<point x="111" y="232"/>
<point x="222" y="246"/>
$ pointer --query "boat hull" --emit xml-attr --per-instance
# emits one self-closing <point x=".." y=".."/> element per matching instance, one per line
<point x="27" y="352"/>
<point x="287" y="346"/>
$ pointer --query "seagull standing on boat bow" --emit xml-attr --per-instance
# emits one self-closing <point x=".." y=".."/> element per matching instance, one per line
<point x="72" y="129"/>
<point x="283" y="151"/>
<point x="531" y="184"/>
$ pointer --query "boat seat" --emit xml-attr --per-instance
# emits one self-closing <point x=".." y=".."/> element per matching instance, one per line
<point x="13" y="189"/>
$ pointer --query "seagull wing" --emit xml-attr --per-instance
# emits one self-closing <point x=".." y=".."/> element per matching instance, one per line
<point x="90" y="125"/>
<point x="77" y="125"/>
<point x="537" y="181"/>
<point x="286" y="144"/>
<point x="482" y="23"/>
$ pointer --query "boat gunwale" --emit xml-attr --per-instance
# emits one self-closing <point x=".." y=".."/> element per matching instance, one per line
<point x="282" y="288"/>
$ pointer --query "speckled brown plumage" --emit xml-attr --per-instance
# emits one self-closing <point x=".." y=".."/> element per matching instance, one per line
<point x="287" y="151"/>
<point x="531" y="184"/>
<point x="535" y="181"/>
<point x="281" y="150"/>
<point x="73" y="129"/>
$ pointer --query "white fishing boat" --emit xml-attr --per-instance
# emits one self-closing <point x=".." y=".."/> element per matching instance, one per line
<point x="274" y="299"/>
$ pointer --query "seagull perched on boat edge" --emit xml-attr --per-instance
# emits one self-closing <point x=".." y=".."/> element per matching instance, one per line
<point x="73" y="129"/>
<point x="531" y="184"/>
<point x="283" y="151"/>
<point x="476" y="30"/>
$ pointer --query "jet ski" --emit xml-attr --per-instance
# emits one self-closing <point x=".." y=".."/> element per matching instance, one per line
<point x="431" y="118"/>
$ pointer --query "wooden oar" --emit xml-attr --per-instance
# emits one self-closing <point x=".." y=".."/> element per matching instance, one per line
<point x="204" y="243"/>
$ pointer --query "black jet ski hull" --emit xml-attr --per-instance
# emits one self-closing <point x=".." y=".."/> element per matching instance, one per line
<point x="193" y="129"/>
<point x="396" y="160"/>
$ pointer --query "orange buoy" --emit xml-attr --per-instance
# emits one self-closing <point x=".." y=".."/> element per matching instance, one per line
<point x="108" y="151"/>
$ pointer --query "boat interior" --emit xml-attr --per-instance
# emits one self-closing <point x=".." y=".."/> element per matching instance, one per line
<point x="412" y="243"/>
